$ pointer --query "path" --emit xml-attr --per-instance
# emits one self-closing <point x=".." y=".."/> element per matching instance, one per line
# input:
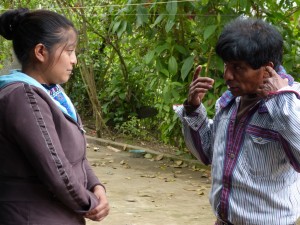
<point x="151" y="191"/>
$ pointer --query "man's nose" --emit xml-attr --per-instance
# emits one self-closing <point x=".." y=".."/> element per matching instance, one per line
<point x="228" y="75"/>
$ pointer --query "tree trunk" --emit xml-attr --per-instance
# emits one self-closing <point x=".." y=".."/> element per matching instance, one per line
<point x="87" y="73"/>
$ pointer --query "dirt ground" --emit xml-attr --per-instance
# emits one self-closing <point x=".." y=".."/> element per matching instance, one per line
<point x="151" y="191"/>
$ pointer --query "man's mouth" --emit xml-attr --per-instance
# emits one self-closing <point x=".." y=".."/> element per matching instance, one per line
<point x="232" y="88"/>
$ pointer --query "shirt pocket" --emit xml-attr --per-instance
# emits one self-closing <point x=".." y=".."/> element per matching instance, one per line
<point x="260" y="140"/>
<point x="264" y="158"/>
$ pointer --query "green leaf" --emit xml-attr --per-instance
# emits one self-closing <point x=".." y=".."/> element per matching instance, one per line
<point x="218" y="63"/>
<point x="158" y="20"/>
<point x="153" y="81"/>
<point x="160" y="48"/>
<point x="122" y="28"/>
<point x="149" y="56"/>
<point x="159" y="65"/>
<point x="129" y="28"/>
<point x="218" y="83"/>
<point x="169" y="25"/>
<point x="166" y="107"/>
<point x="171" y="7"/>
<point x="209" y="30"/>
<point x="180" y="49"/>
<point x="166" y="93"/>
<point x="243" y="4"/>
<point x="219" y="18"/>
<point x="175" y="93"/>
<point x="233" y="3"/>
<point x="172" y="65"/>
<point x="165" y="72"/>
<point x="187" y="66"/>
<point x="141" y="15"/>
<point x="178" y="84"/>
<point x="122" y="96"/>
<point x="116" y="26"/>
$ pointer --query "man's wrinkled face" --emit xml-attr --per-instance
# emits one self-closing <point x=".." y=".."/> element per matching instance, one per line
<point x="241" y="79"/>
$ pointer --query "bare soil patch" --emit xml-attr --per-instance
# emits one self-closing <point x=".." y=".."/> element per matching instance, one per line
<point x="151" y="191"/>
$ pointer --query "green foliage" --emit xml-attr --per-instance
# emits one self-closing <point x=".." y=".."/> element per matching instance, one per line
<point x="143" y="53"/>
<point x="132" y="128"/>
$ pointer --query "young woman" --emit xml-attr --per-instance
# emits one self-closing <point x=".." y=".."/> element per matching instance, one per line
<point x="44" y="174"/>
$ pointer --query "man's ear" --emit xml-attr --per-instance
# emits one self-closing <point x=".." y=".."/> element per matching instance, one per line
<point x="40" y="52"/>
<point x="265" y="72"/>
<point x="270" y="64"/>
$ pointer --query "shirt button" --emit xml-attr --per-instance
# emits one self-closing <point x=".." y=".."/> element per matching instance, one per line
<point x="232" y="155"/>
<point x="259" y="139"/>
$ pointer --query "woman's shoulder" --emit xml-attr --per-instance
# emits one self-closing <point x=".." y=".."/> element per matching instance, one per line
<point x="19" y="95"/>
<point x="16" y="88"/>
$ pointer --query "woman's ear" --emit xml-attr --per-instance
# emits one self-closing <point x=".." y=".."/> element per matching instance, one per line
<point x="40" y="52"/>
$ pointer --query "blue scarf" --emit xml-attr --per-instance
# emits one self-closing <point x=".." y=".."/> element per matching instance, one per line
<point x="55" y="91"/>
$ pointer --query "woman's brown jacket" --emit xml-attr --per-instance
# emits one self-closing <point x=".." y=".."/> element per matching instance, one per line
<point x="45" y="178"/>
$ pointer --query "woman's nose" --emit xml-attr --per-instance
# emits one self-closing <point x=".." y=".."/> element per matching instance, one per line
<point x="74" y="59"/>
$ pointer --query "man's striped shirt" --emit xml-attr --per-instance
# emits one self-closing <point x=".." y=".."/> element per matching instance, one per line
<point x="255" y="162"/>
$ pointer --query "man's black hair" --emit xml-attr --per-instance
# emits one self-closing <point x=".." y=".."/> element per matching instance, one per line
<point x="252" y="40"/>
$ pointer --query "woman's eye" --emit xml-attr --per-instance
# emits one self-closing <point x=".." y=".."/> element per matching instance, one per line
<point x="70" y="51"/>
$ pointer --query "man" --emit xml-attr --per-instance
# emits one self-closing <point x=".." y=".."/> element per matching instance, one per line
<point x="253" y="141"/>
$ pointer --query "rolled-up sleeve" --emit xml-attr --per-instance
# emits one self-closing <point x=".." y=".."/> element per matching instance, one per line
<point x="196" y="128"/>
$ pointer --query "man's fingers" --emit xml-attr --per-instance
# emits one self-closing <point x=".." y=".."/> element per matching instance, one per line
<point x="198" y="87"/>
<point x="202" y="82"/>
<point x="271" y="71"/>
<point x="197" y="72"/>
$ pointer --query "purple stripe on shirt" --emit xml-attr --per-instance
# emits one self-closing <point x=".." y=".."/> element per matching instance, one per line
<point x="235" y="139"/>
<point x="229" y="163"/>
<point x="273" y="135"/>
<point x="285" y="91"/>
<point x="264" y="133"/>
<point x="197" y="142"/>
<point x="289" y="154"/>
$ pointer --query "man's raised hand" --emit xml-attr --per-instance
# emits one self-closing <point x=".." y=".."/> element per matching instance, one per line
<point x="271" y="83"/>
<point x="198" y="87"/>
